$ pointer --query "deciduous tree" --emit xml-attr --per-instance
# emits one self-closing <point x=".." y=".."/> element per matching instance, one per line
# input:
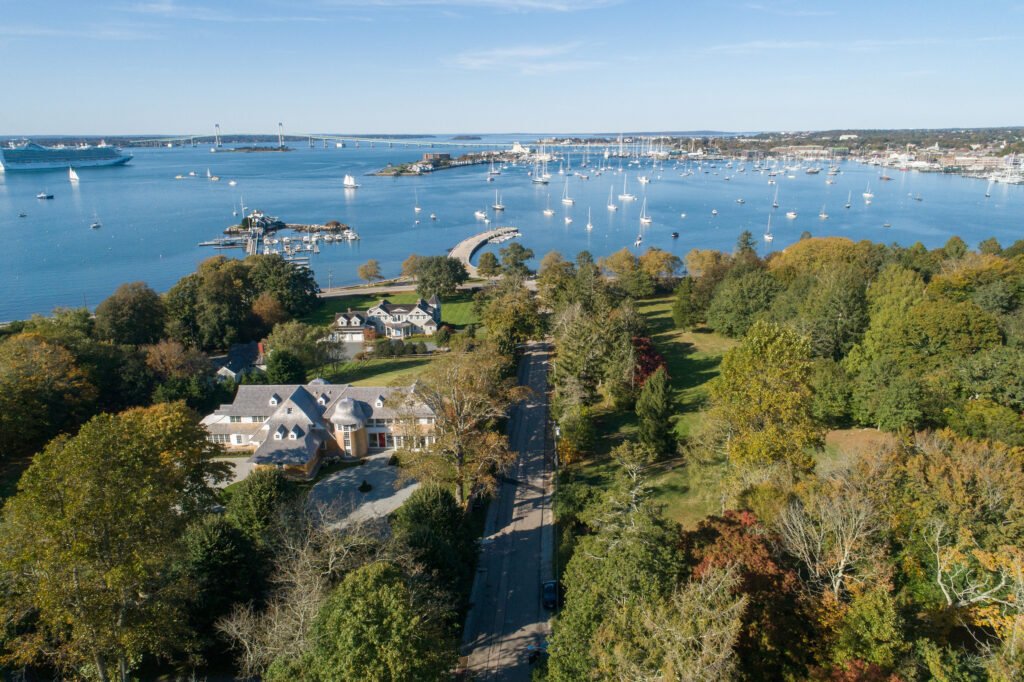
<point x="440" y="276"/>
<point x="133" y="314"/>
<point x="369" y="271"/>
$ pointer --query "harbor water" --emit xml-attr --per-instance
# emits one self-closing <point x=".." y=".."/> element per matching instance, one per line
<point x="152" y="222"/>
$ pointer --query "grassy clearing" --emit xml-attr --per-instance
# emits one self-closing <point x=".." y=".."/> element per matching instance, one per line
<point x="374" y="372"/>
<point x="456" y="311"/>
<point x="689" y="492"/>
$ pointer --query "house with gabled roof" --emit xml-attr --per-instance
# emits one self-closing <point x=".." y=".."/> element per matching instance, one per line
<point x="295" y="428"/>
<point x="389" y="320"/>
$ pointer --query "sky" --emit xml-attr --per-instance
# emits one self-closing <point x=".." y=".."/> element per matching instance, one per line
<point x="489" y="66"/>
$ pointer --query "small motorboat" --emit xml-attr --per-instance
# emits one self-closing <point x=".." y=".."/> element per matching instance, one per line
<point x="23" y="215"/>
<point x="44" y="195"/>
<point x="675" y="235"/>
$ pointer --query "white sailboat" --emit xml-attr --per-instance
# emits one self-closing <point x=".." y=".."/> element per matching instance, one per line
<point x="416" y="202"/>
<point x="549" y="211"/>
<point x="867" y="193"/>
<point x="72" y="175"/>
<point x="611" y="204"/>
<point x="590" y="225"/>
<point x="626" y="196"/>
<point x="988" y="190"/>
<point x="566" y="199"/>
<point x="775" y="201"/>
<point x="349" y="182"/>
<point x="768" y="236"/>
<point x="497" y="205"/>
<point x="568" y="220"/>
<point x="848" y="198"/>
<point x="644" y="218"/>
<point x="823" y="215"/>
<point x="96" y="224"/>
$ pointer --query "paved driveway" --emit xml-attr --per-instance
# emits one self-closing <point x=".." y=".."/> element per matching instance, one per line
<point x="338" y="495"/>
<point x="241" y="467"/>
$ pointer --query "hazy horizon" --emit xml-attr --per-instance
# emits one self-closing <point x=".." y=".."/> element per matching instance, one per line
<point x="489" y="66"/>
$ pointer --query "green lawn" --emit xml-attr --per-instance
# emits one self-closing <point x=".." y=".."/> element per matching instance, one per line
<point x="374" y="372"/>
<point x="456" y="311"/>
<point x="688" y="492"/>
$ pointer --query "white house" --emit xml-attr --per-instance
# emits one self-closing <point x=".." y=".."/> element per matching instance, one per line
<point x="390" y="320"/>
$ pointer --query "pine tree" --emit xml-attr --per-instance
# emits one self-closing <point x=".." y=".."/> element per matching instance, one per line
<point x="686" y="312"/>
<point x="654" y="408"/>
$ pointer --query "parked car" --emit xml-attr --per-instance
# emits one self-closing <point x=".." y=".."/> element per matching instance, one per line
<point x="552" y="594"/>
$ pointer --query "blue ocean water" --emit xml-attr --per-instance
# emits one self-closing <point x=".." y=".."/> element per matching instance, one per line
<point x="152" y="223"/>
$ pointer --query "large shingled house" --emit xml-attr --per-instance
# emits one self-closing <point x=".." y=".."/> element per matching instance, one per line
<point x="294" y="428"/>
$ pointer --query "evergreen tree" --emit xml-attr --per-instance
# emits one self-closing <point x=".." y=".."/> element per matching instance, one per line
<point x="686" y="313"/>
<point x="285" y="368"/>
<point x="653" y="409"/>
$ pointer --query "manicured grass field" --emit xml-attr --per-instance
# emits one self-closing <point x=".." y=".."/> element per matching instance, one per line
<point x="456" y="311"/>
<point x="375" y="372"/>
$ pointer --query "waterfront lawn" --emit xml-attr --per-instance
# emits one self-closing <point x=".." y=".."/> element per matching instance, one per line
<point x="456" y="311"/>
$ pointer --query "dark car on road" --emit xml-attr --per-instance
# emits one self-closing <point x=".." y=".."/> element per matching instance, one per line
<point x="551" y="594"/>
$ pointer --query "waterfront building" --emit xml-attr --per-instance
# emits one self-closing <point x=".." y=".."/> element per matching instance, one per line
<point x="296" y="428"/>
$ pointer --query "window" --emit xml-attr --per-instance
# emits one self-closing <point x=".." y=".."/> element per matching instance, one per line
<point x="258" y="419"/>
<point x="235" y="420"/>
<point x="219" y="438"/>
<point x="238" y="439"/>
<point x="289" y="410"/>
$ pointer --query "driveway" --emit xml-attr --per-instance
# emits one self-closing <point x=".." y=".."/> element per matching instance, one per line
<point x="241" y="467"/>
<point x="338" y="494"/>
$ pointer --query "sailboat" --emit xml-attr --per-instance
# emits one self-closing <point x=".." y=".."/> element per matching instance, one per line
<point x="775" y="201"/>
<point x="568" y="220"/>
<point x="566" y="199"/>
<point x="768" y="236"/>
<point x="349" y="182"/>
<point x="644" y="218"/>
<point x="96" y="224"/>
<point x="72" y="175"/>
<point x="988" y="190"/>
<point x="497" y="205"/>
<point x="823" y="215"/>
<point x="549" y="211"/>
<point x="416" y="202"/>
<point x="867" y="193"/>
<point x="626" y="196"/>
<point x="590" y="225"/>
<point x="493" y="170"/>
<point x="480" y="215"/>
<point x="611" y="204"/>
<point x="848" y="198"/>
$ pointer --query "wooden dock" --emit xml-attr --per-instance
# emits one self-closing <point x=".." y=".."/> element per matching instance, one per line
<point x="465" y="249"/>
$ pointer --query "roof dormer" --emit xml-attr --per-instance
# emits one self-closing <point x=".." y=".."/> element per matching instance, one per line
<point x="275" y="399"/>
<point x="295" y="433"/>
<point x="279" y="434"/>
<point x="379" y="402"/>
<point x="322" y="400"/>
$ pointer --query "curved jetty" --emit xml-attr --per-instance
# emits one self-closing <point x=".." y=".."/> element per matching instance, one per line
<point x="465" y="249"/>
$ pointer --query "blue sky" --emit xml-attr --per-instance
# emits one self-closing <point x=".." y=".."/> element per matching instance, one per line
<point x="443" y="66"/>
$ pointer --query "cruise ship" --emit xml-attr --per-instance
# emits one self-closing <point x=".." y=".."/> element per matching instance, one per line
<point x="32" y="156"/>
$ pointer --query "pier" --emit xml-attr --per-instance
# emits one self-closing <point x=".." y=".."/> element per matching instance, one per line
<point x="465" y="249"/>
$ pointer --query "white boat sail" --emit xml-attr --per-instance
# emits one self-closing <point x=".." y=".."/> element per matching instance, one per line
<point x="416" y="202"/>
<point x="644" y="218"/>
<point x="626" y="196"/>
<point x="349" y="182"/>
<point x="549" y="211"/>
<point x="768" y="236"/>
<point x="566" y="199"/>
<point x="72" y="175"/>
<point x="590" y="225"/>
<point x="611" y="204"/>
<point x="848" y="198"/>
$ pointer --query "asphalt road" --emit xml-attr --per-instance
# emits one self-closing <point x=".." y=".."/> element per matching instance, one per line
<point x="506" y="615"/>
